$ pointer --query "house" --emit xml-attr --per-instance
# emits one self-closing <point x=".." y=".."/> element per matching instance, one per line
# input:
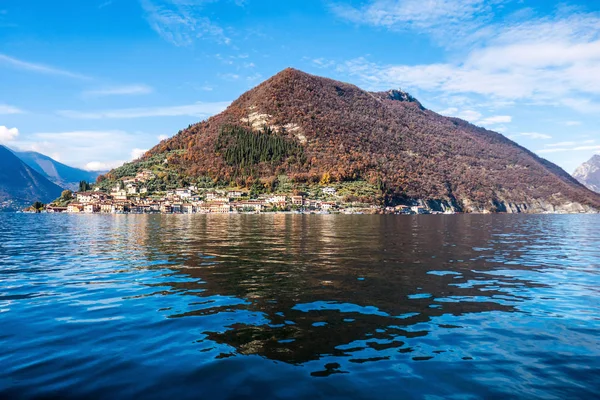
<point x="250" y="205"/>
<point x="211" y="195"/>
<point x="52" y="209"/>
<point x="91" y="208"/>
<point x="234" y="194"/>
<point x="418" y="210"/>
<point x="327" y="205"/>
<point x="84" y="197"/>
<point x="166" y="208"/>
<point x="106" y="208"/>
<point x="401" y="209"/>
<point x="215" y="207"/>
<point x="183" y="193"/>
<point x="329" y="191"/>
<point x="297" y="200"/>
<point x="145" y="175"/>
<point x="121" y="207"/>
<point x="75" y="208"/>
<point x="189" y="209"/>
<point x="177" y="208"/>
<point x="119" y="195"/>
<point x="277" y="199"/>
<point x="132" y="188"/>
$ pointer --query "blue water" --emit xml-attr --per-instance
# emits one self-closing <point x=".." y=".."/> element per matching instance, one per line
<point x="299" y="306"/>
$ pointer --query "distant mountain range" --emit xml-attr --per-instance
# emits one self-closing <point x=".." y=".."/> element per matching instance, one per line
<point x="21" y="185"/>
<point x="61" y="174"/>
<point x="310" y="129"/>
<point x="589" y="173"/>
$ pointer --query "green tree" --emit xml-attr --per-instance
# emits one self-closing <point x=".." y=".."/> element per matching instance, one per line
<point x="84" y="186"/>
<point x="66" y="195"/>
<point x="38" y="206"/>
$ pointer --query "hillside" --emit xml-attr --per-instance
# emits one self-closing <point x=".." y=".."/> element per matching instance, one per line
<point x="61" y="174"/>
<point x="589" y="173"/>
<point x="20" y="185"/>
<point x="313" y="129"/>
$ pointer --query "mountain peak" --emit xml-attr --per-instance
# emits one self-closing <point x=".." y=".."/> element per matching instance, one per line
<point x="588" y="173"/>
<point x="20" y="185"/>
<point x="314" y="129"/>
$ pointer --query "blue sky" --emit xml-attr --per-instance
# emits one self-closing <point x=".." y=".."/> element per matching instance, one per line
<point x="94" y="83"/>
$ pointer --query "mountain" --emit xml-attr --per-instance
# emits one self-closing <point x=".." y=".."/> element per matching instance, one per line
<point x="61" y="174"/>
<point x="20" y="185"/>
<point x="312" y="129"/>
<point x="588" y="173"/>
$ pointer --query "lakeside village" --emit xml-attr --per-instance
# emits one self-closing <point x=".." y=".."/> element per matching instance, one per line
<point x="131" y="196"/>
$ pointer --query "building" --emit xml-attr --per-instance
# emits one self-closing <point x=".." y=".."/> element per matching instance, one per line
<point x="132" y="189"/>
<point x="215" y="207"/>
<point x="119" y="195"/>
<point x="211" y="195"/>
<point x="84" y="197"/>
<point x="418" y="210"/>
<point x="327" y="205"/>
<point x="52" y="209"/>
<point x="329" y="191"/>
<point x="121" y="207"/>
<point x="297" y="200"/>
<point x="145" y="175"/>
<point x="75" y="208"/>
<point x="250" y="205"/>
<point x="91" y="208"/>
<point x="234" y="194"/>
<point x="188" y="209"/>
<point x="183" y="193"/>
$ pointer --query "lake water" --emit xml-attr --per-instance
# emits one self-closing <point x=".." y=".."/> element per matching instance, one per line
<point x="299" y="306"/>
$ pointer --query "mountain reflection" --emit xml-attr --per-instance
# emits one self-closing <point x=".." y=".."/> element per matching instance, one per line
<point x="320" y="286"/>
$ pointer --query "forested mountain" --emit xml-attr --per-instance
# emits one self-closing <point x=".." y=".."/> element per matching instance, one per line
<point x="314" y="129"/>
<point x="20" y="185"/>
<point x="589" y="173"/>
<point x="61" y="174"/>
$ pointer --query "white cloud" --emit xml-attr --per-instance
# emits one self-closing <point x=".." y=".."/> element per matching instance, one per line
<point x="535" y="135"/>
<point x="475" y="117"/>
<point x="40" y="68"/>
<point x="571" y="144"/>
<point x="119" y="91"/>
<point x="545" y="61"/>
<point x="199" y="110"/>
<point x="137" y="153"/>
<point x="8" y="134"/>
<point x="573" y="123"/>
<point x="565" y="149"/>
<point x="498" y="119"/>
<point x="180" y="22"/>
<point x="162" y="137"/>
<point x="323" y="63"/>
<point x="441" y="18"/>
<point x="103" y="166"/>
<point x="6" y="109"/>
<point x="92" y="150"/>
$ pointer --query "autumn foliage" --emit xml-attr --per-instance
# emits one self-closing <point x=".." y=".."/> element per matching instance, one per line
<point x="316" y="127"/>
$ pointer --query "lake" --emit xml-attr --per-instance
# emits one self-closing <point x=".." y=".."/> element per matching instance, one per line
<point x="280" y="306"/>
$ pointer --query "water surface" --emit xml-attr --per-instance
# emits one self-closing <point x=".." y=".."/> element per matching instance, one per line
<point x="299" y="306"/>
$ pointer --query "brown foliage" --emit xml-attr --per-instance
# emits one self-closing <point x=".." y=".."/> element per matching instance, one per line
<point x="386" y="138"/>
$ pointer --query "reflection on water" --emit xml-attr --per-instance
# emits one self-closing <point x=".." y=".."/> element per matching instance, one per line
<point x="293" y="306"/>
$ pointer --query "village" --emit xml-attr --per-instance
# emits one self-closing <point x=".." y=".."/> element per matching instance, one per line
<point x="131" y="196"/>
